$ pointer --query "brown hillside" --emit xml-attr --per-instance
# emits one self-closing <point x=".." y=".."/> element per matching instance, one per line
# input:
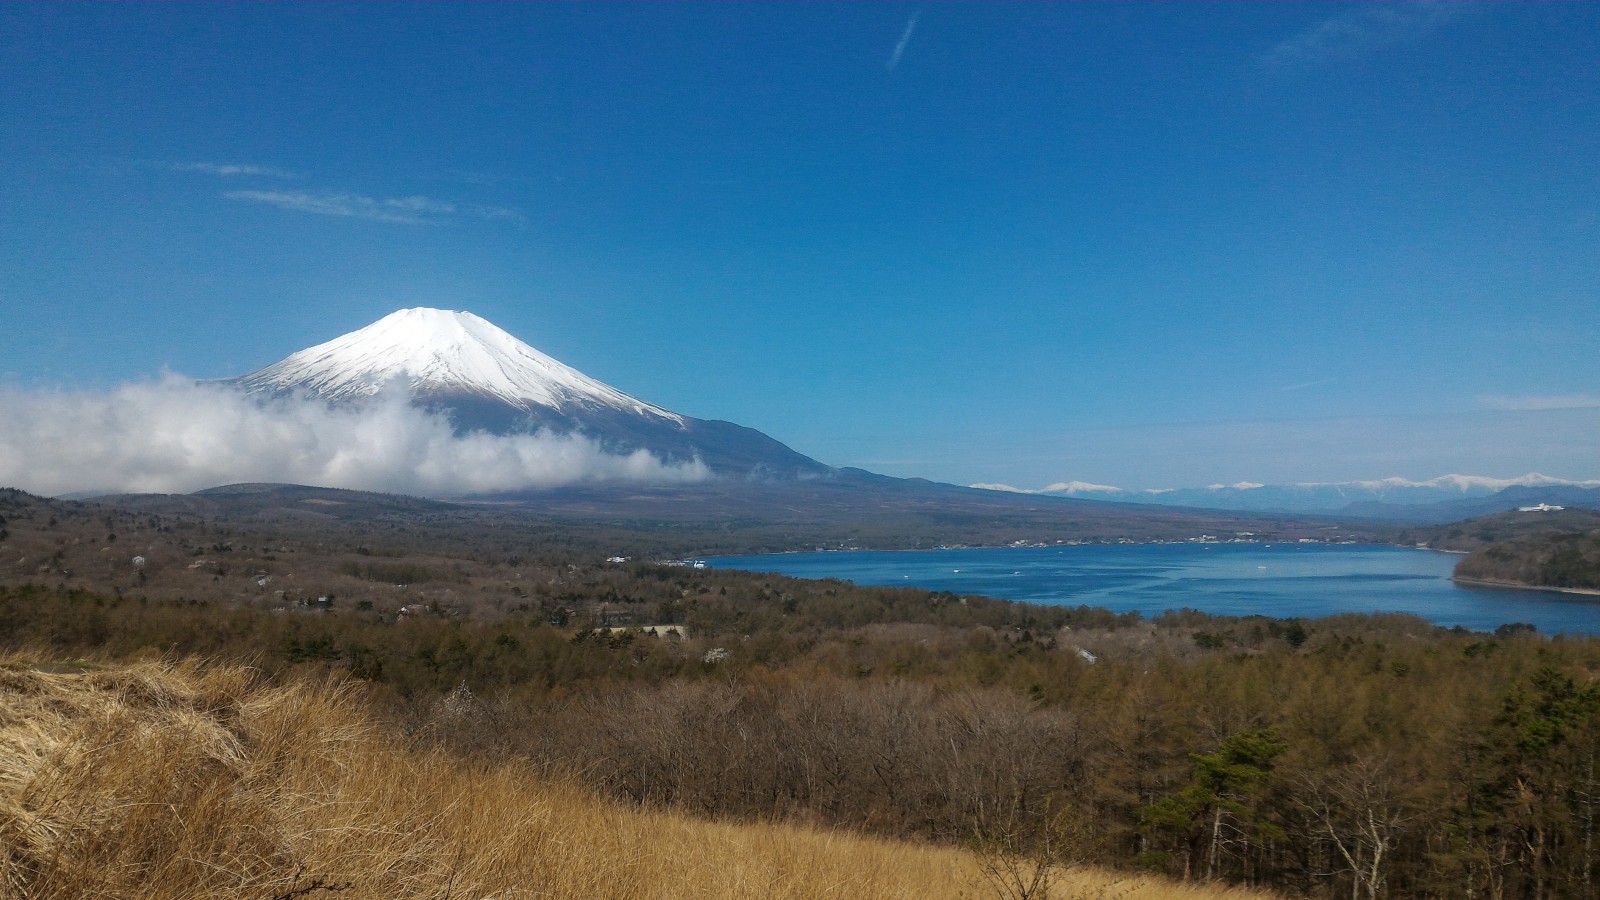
<point x="190" y="781"/>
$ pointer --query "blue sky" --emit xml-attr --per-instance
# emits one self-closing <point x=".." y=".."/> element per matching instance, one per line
<point x="1147" y="245"/>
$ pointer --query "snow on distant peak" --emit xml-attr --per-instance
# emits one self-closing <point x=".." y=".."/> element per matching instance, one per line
<point x="437" y="350"/>
<point x="1060" y="487"/>
<point x="1532" y="479"/>
<point x="1462" y="483"/>
<point x="1081" y="487"/>
<point x="1001" y="487"/>
<point x="1241" y="486"/>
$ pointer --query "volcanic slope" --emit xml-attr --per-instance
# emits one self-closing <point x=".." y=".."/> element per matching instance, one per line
<point x="486" y="379"/>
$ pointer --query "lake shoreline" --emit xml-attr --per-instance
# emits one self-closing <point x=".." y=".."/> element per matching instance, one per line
<point x="1278" y="580"/>
<point x="800" y="551"/>
<point x="1518" y="586"/>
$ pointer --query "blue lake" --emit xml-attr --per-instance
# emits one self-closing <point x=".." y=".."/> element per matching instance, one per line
<point x="1278" y="580"/>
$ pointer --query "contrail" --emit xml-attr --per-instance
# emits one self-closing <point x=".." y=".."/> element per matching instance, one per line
<point x="905" y="38"/>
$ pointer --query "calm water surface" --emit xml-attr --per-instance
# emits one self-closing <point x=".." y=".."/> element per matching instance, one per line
<point x="1279" y="580"/>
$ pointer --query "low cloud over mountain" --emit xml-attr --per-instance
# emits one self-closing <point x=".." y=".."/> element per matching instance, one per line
<point x="173" y="435"/>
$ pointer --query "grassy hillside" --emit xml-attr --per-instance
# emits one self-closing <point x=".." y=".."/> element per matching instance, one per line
<point x="190" y="781"/>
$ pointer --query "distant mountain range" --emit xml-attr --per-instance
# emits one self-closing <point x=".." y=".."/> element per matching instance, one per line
<point x="484" y="379"/>
<point x="1442" y="499"/>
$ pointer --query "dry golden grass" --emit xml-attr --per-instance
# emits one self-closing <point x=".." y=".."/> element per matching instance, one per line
<point x="180" y="781"/>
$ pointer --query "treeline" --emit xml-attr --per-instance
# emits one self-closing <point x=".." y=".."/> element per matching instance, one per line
<point x="1555" y="548"/>
<point x="1569" y="560"/>
<point x="535" y="647"/>
<point x="1373" y="762"/>
<point x="1371" y="756"/>
<point x="1501" y="528"/>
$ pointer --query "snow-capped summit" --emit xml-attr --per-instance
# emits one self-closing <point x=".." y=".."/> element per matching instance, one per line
<point x="437" y="352"/>
<point x="487" y="380"/>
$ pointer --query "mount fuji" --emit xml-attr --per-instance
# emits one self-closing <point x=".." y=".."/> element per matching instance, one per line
<point x="485" y="379"/>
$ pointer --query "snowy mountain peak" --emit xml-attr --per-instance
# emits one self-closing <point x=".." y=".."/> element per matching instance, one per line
<point x="1461" y="483"/>
<point x="1066" y="488"/>
<point x="441" y="352"/>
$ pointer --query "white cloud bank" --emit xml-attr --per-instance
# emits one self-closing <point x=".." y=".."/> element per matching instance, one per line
<point x="173" y="436"/>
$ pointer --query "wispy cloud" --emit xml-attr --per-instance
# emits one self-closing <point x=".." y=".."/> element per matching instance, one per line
<point x="334" y="204"/>
<point x="492" y="213"/>
<point x="174" y="435"/>
<point x="1359" y="29"/>
<point x="231" y="169"/>
<point x="412" y="210"/>
<point x="1524" y="404"/>
<point x="905" y="39"/>
<point x="1289" y="388"/>
<point x="421" y="206"/>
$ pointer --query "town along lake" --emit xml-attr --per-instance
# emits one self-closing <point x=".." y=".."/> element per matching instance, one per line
<point x="1277" y="580"/>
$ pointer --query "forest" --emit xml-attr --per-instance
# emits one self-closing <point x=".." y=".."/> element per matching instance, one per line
<point x="1365" y="756"/>
<point x="1557" y="548"/>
